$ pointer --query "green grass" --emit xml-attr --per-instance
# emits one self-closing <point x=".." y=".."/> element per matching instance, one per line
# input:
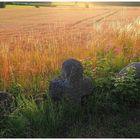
<point x="104" y="114"/>
<point x="18" y="6"/>
<point x="111" y="111"/>
<point x="126" y="124"/>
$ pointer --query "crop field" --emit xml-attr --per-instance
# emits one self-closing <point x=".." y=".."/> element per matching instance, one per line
<point x="34" y="42"/>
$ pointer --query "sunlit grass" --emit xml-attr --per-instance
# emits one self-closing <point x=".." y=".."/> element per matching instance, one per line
<point x="32" y="61"/>
<point x="18" y="6"/>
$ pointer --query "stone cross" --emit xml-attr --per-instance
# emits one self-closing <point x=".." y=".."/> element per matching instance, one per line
<point x="71" y="84"/>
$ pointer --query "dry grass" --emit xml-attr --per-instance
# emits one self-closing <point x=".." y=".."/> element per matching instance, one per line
<point x="35" y="42"/>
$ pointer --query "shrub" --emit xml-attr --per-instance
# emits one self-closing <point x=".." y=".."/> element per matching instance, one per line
<point x="88" y="68"/>
<point x="103" y="102"/>
<point x="2" y="5"/>
<point x="116" y="93"/>
<point x="36" y="6"/>
<point x="103" y="67"/>
<point x="126" y="89"/>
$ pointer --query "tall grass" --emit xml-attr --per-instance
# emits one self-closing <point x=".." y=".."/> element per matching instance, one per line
<point x="105" y="114"/>
<point x="33" y="59"/>
<point x="28" y="63"/>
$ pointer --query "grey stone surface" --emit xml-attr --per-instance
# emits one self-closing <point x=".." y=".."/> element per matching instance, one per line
<point x="135" y="65"/>
<point x="72" y="70"/>
<point x="71" y="84"/>
<point x="5" y="102"/>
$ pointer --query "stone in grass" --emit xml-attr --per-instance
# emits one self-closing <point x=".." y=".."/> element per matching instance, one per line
<point x="71" y="84"/>
<point x="135" y="65"/>
<point x="5" y="102"/>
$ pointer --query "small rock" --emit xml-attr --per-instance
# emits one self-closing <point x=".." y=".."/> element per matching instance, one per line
<point x="71" y="84"/>
<point x="5" y="102"/>
<point x="135" y="65"/>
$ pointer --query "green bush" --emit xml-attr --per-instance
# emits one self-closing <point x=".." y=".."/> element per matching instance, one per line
<point x="117" y="93"/>
<point x="126" y="89"/>
<point x="88" y="68"/>
<point x="2" y="5"/>
<point x="112" y="94"/>
<point x="36" y="6"/>
<point x="103" y="67"/>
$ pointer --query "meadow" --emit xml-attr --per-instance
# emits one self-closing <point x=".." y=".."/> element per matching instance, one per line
<point x="34" y="43"/>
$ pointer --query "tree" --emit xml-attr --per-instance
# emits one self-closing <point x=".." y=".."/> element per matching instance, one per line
<point x="36" y="6"/>
<point x="2" y="4"/>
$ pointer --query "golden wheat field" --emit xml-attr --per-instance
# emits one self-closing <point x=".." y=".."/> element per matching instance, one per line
<point x="35" y="41"/>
